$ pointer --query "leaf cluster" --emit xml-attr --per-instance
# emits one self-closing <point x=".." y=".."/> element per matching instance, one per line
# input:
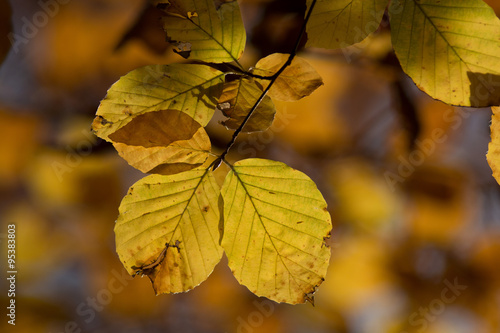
<point x="269" y="219"/>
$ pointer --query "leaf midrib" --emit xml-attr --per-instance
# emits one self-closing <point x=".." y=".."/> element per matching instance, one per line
<point x="265" y="230"/>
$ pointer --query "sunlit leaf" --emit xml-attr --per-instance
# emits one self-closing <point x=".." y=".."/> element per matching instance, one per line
<point x="451" y="49"/>
<point x="493" y="155"/>
<point x="5" y="29"/>
<point x="192" y="89"/>
<point x="340" y="23"/>
<point x="168" y="229"/>
<point x="275" y="226"/>
<point x="156" y="129"/>
<point x="298" y="80"/>
<point x="237" y="100"/>
<point x="201" y="31"/>
<point x="177" y="157"/>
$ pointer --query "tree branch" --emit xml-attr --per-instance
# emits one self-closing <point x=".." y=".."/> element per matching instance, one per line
<point x="273" y="79"/>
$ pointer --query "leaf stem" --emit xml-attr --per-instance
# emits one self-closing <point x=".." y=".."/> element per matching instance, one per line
<point x="273" y="79"/>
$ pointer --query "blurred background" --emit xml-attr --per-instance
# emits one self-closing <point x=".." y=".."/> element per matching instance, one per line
<point x="416" y="212"/>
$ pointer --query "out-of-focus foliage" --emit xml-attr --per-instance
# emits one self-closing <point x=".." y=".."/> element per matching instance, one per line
<point x="449" y="49"/>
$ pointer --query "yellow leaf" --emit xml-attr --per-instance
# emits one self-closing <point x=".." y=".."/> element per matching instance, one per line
<point x="200" y="31"/>
<point x="192" y="89"/>
<point x="179" y="156"/>
<point x="275" y="226"/>
<point x="450" y="49"/>
<point x="340" y="23"/>
<point x="238" y="98"/>
<point x="168" y="229"/>
<point x="297" y="81"/>
<point x="493" y="155"/>
<point x="156" y="129"/>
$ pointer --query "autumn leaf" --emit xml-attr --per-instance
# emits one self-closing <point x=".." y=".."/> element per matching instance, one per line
<point x="168" y="229"/>
<point x="275" y="226"/>
<point x="201" y="31"/>
<point x="192" y="89"/>
<point x="337" y="24"/>
<point x="450" y="49"/>
<point x="238" y="98"/>
<point x="297" y="81"/>
<point x="177" y="157"/>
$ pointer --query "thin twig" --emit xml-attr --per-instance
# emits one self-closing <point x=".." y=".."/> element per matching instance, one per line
<point x="273" y="79"/>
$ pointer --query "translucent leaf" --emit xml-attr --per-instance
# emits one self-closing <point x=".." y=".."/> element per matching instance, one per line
<point x="156" y="129"/>
<point x="200" y="31"/>
<point x="340" y="23"/>
<point x="177" y="157"/>
<point x="168" y="229"/>
<point x="275" y="226"/>
<point x="451" y="49"/>
<point x="297" y="81"/>
<point x="493" y="155"/>
<point x="192" y="89"/>
<point x="237" y="100"/>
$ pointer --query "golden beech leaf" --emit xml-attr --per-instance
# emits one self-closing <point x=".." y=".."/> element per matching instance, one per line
<point x="275" y="226"/>
<point x="201" y="31"/>
<point x="450" y="49"/>
<point x="156" y="129"/>
<point x="297" y="81"/>
<point x="168" y="229"/>
<point x="340" y="23"/>
<point x="238" y="98"/>
<point x="493" y="155"/>
<point x="179" y="156"/>
<point x="192" y="89"/>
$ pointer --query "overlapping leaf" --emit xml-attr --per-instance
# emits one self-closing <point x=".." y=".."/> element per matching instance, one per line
<point x="237" y="100"/>
<point x="493" y="155"/>
<point x="297" y="81"/>
<point x="200" y="31"/>
<point x="168" y="229"/>
<point x="192" y="89"/>
<point x="340" y="23"/>
<point x="451" y="49"/>
<point x="275" y="225"/>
